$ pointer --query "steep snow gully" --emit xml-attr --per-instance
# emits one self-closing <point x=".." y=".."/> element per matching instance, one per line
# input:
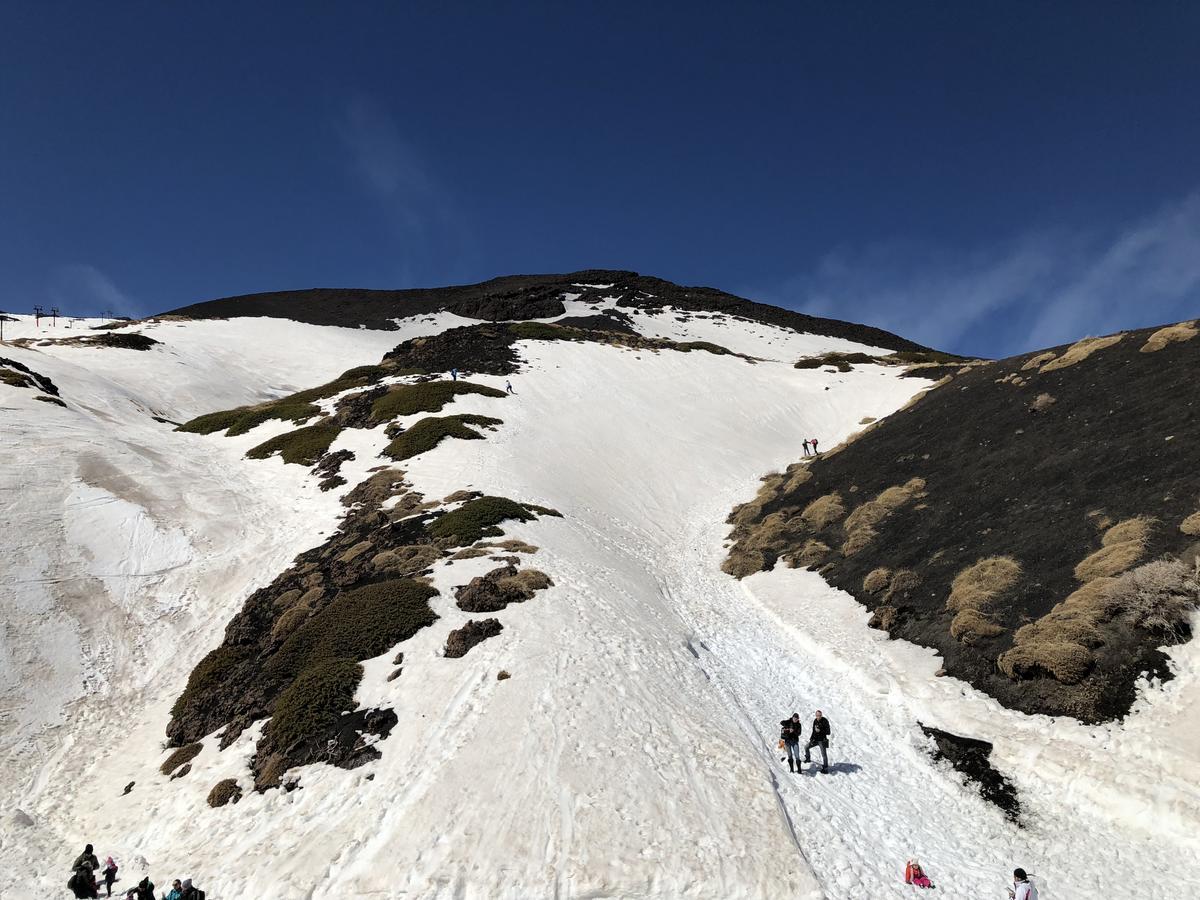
<point x="633" y="751"/>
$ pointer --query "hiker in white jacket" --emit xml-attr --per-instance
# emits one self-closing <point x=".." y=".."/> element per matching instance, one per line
<point x="1022" y="888"/>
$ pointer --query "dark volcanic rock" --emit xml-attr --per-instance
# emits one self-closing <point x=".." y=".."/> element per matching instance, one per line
<point x="517" y="297"/>
<point x="474" y="632"/>
<point x="972" y="758"/>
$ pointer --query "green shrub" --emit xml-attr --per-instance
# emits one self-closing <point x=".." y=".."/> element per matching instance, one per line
<point x="369" y="374"/>
<point x="477" y="519"/>
<point x="357" y="625"/>
<point x="211" y="422"/>
<point x="210" y="674"/>
<point x="240" y="420"/>
<point x="314" y="702"/>
<point x="180" y="757"/>
<point x="302" y="447"/>
<point x="427" y="433"/>
<point x="283" y="410"/>
<point x="430" y="396"/>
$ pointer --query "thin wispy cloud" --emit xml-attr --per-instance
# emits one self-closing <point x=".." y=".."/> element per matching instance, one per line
<point x="79" y="289"/>
<point x="417" y="206"/>
<point x="1037" y="290"/>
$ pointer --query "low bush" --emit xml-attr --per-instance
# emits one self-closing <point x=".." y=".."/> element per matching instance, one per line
<point x="1081" y="350"/>
<point x="970" y="626"/>
<point x="823" y="511"/>
<point x="356" y="625"/>
<point x="302" y="447"/>
<point x="429" y="396"/>
<point x="427" y="433"/>
<point x="741" y="562"/>
<point x="1122" y="546"/>
<point x="877" y="580"/>
<point x="979" y="586"/>
<point x="224" y="792"/>
<point x="1066" y="662"/>
<point x="1183" y="331"/>
<point x="477" y="519"/>
<point x="240" y="420"/>
<point x="811" y="555"/>
<point x="180" y="757"/>
<point x="1191" y="525"/>
<point x="1159" y="596"/>
<point x="210" y="674"/>
<point x="313" y="703"/>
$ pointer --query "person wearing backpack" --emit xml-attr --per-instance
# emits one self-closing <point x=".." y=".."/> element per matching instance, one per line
<point x="145" y="889"/>
<point x="789" y="737"/>
<point x="190" y="892"/>
<point x="1023" y="888"/>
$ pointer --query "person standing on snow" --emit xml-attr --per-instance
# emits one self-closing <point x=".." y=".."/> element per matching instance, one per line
<point x="1022" y="888"/>
<point x="508" y="387"/>
<point x="110" y="875"/>
<point x="176" y="891"/>
<point x="454" y="374"/>
<point x="789" y="733"/>
<point x="189" y="892"/>
<point x="814" y="446"/>
<point x="86" y="860"/>
<point x="819" y="737"/>
<point x="806" y="446"/>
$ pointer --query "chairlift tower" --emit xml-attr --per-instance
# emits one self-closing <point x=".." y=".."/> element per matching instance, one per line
<point x="53" y="316"/>
<point x="38" y="312"/>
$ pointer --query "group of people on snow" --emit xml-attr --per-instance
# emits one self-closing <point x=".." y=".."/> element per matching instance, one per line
<point x="790" y="731"/>
<point x="810" y="447"/>
<point x="83" y="882"/>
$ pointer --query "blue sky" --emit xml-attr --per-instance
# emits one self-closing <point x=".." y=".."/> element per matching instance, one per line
<point x="983" y="177"/>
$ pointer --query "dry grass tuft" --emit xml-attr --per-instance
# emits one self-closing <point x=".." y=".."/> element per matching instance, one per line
<point x="971" y="626"/>
<point x="1038" y="361"/>
<point x="1159" y="596"/>
<point x="811" y="555"/>
<point x="1183" y="331"/>
<point x="978" y="586"/>
<point x="1063" y="661"/>
<point x="858" y="539"/>
<point x="877" y="580"/>
<point x="861" y="524"/>
<point x="1122" y="546"/>
<point x="742" y="562"/>
<point x="824" y="511"/>
<point x="1041" y="403"/>
<point x="1081" y="350"/>
<point x="903" y="581"/>
<point x="1191" y="525"/>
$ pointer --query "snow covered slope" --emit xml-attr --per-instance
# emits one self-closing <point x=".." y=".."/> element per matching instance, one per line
<point x="632" y="751"/>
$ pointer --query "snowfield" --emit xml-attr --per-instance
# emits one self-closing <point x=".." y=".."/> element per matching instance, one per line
<point x="633" y="751"/>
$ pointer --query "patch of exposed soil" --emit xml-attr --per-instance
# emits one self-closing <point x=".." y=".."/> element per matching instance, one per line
<point x="972" y="759"/>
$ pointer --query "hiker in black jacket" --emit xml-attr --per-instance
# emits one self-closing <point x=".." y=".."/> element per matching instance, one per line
<point x="789" y="733"/>
<point x="819" y="737"/>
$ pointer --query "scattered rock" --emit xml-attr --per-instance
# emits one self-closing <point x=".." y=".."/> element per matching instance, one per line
<point x="461" y="640"/>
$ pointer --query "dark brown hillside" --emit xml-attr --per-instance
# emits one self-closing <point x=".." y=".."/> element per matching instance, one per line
<point x="1033" y="519"/>
<point x="516" y="297"/>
